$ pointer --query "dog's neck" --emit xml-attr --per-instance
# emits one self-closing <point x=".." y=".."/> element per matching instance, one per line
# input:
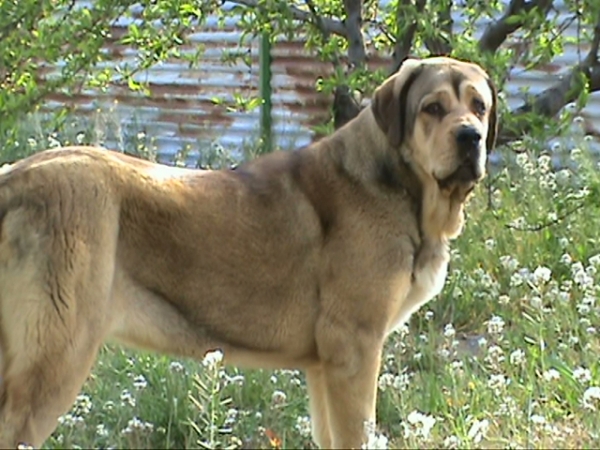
<point x="373" y="162"/>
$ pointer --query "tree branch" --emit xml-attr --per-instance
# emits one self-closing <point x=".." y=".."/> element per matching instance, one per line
<point x="439" y="45"/>
<point x="497" y="31"/>
<point x="317" y="19"/>
<point x="331" y="25"/>
<point x="345" y="107"/>
<point x="325" y="33"/>
<point x="549" y="102"/>
<point x="356" y="44"/>
<point x="404" y="41"/>
<point x="550" y="223"/>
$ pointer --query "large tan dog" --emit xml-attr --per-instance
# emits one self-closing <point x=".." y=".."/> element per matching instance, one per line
<point x="304" y="259"/>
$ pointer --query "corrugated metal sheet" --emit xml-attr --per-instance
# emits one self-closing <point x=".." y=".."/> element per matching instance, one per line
<point x="180" y="111"/>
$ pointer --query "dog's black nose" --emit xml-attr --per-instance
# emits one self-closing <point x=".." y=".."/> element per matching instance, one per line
<point x="468" y="138"/>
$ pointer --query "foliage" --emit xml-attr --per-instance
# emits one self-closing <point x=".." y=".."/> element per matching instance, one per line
<point x="51" y="46"/>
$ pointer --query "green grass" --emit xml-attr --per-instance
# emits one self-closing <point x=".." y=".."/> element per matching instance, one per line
<point x="507" y="356"/>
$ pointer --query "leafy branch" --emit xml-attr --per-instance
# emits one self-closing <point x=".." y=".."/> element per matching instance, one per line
<point x="513" y="18"/>
<point x="550" y="101"/>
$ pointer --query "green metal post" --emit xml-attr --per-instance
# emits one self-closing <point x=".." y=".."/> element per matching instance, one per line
<point x="265" y="92"/>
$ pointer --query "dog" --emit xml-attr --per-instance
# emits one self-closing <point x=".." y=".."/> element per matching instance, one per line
<point x="303" y="259"/>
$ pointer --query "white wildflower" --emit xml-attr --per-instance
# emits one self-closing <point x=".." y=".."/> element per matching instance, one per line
<point x="566" y="259"/>
<point x="452" y="442"/>
<point x="544" y="163"/>
<point x="591" y="398"/>
<point x="509" y="263"/>
<point x="522" y="159"/>
<point x="212" y="359"/>
<point x="456" y="365"/>
<point x="516" y="280"/>
<point x="536" y="302"/>
<point x="236" y="379"/>
<point x="497" y="381"/>
<point x="444" y="353"/>
<point x="231" y="417"/>
<point x="478" y="430"/>
<point x="385" y="380"/>
<point x="583" y="309"/>
<point x="504" y="299"/>
<point x="542" y="275"/>
<point x="82" y="405"/>
<point x="537" y="419"/>
<point x="582" y="375"/>
<point x="303" y="426"/>
<point x="140" y="382"/>
<point x="101" y="430"/>
<point x="595" y="260"/>
<point x="580" y="276"/>
<point x="495" y="325"/>
<point x="401" y="382"/>
<point x="508" y="407"/>
<point x="517" y="357"/>
<point x="375" y="440"/>
<point x="449" y="331"/>
<point x="137" y="425"/>
<point x="278" y="398"/>
<point x="564" y="297"/>
<point x="22" y="446"/>
<point x="177" y="367"/>
<point x="127" y="398"/>
<point x="551" y="375"/>
<point x="70" y="420"/>
<point x="420" y="425"/>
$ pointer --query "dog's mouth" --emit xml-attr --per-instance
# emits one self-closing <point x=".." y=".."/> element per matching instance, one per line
<point x="468" y="173"/>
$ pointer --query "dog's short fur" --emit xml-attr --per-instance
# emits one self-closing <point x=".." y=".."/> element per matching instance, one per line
<point x="304" y="259"/>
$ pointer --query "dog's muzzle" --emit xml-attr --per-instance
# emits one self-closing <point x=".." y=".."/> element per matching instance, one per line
<point x="469" y="170"/>
<point x="468" y="143"/>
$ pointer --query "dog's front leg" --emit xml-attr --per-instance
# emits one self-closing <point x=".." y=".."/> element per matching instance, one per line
<point x="319" y="409"/>
<point x="350" y="367"/>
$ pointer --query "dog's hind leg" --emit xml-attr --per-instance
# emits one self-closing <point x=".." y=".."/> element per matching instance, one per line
<point x="39" y="386"/>
<point x="54" y="294"/>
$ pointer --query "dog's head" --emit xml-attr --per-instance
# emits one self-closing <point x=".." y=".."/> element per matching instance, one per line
<point x="441" y="114"/>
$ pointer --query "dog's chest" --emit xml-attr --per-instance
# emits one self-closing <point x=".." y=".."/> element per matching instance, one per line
<point x="430" y="269"/>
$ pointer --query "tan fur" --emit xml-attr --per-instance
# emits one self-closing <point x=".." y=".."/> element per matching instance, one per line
<point x="304" y="259"/>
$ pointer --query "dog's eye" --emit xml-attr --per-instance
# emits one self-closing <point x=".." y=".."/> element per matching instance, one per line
<point x="479" y="107"/>
<point x="434" y="109"/>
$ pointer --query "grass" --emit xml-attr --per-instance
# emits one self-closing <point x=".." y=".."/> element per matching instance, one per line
<point x="506" y="357"/>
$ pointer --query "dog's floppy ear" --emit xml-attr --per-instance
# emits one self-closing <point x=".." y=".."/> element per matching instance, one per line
<point x="492" y="132"/>
<point x="389" y="101"/>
